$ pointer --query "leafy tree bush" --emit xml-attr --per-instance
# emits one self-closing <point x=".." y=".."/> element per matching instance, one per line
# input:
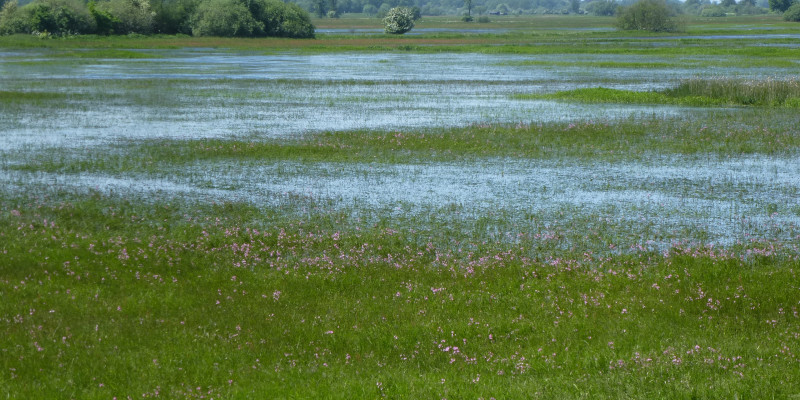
<point x="483" y="19"/>
<point x="780" y="5"/>
<point x="276" y="18"/>
<point x="105" y="23"/>
<point x="12" y="20"/>
<point x="174" y="16"/>
<point x="398" y="21"/>
<point x="369" y="9"/>
<point x="383" y="10"/>
<point x="647" y="15"/>
<point x="224" y="18"/>
<point x="793" y="13"/>
<point x="712" y="11"/>
<point x="416" y="13"/>
<point x="130" y="16"/>
<point x="602" y="7"/>
<point x="59" y="17"/>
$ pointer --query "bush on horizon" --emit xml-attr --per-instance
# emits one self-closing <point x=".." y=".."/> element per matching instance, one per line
<point x="646" y="15"/>
<point x="253" y="18"/>
<point x="792" y="14"/>
<point x="399" y="20"/>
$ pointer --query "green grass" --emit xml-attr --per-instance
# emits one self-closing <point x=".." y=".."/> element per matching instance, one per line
<point x="240" y="302"/>
<point x="116" y="293"/>
<point x="11" y="97"/>
<point x="692" y="92"/>
<point x="769" y="92"/>
<point x="591" y="141"/>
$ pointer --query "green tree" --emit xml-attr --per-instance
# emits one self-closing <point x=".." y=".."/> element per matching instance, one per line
<point x="59" y="17"/>
<point x="398" y="21"/>
<point x="602" y="7"/>
<point x="276" y="18"/>
<point x="780" y="5"/>
<point x="173" y="16"/>
<point x="319" y="8"/>
<point x="793" y="13"/>
<point x="575" y="6"/>
<point x="104" y="21"/>
<point x="468" y="4"/>
<point x="12" y="20"/>
<point x="369" y="9"/>
<point x="224" y="18"/>
<point x="416" y="13"/>
<point x="131" y="16"/>
<point x="648" y="15"/>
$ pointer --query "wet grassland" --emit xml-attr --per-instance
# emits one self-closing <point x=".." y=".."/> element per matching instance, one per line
<point x="535" y="213"/>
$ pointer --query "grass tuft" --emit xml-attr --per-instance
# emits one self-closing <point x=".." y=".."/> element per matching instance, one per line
<point x="692" y="92"/>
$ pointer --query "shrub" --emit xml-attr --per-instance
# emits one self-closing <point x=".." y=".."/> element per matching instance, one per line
<point x="224" y="18"/>
<point x="333" y="14"/>
<point x="277" y="18"/>
<point x="483" y="19"/>
<point x="793" y="13"/>
<point x="647" y="15"/>
<point x="780" y="5"/>
<point x="602" y="7"/>
<point x="713" y="11"/>
<point x="174" y="16"/>
<point x="105" y="23"/>
<point x="369" y="9"/>
<point x="128" y="16"/>
<point x="398" y="21"/>
<point x="12" y="20"/>
<point x="416" y="13"/>
<point x="466" y="18"/>
<point x="59" y="17"/>
<point x="383" y="10"/>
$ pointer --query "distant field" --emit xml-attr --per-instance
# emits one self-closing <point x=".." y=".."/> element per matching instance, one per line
<point x="536" y="207"/>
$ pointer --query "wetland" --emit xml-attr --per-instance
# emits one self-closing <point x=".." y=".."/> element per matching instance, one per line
<point x="515" y="211"/>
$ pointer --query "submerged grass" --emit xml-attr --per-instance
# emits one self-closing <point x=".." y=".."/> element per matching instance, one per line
<point x="598" y="141"/>
<point x="15" y="96"/>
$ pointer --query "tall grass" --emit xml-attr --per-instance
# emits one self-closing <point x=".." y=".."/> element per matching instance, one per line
<point x="769" y="92"/>
<point x="766" y="92"/>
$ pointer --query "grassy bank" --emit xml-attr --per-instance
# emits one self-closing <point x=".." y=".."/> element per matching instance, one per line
<point x="228" y="301"/>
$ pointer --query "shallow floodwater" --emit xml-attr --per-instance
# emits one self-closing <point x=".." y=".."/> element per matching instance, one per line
<point x="90" y="104"/>
<point x="202" y="93"/>
<point x="722" y="201"/>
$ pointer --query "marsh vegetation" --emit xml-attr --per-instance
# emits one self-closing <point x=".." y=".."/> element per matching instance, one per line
<point x="537" y="212"/>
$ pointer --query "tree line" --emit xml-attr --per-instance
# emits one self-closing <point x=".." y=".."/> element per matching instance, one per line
<point x="241" y="18"/>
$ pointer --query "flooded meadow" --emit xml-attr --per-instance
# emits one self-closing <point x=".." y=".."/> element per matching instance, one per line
<point x="68" y="106"/>
<point x="581" y="214"/>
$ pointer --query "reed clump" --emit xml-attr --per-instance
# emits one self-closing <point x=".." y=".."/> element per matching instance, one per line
<point x="765" y="92"/>
<point x="768" y="92"/>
